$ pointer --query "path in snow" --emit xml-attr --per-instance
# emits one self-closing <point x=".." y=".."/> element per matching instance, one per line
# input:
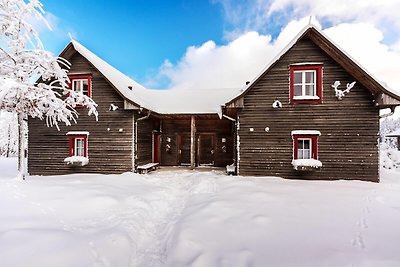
<point x="166" y="211"/>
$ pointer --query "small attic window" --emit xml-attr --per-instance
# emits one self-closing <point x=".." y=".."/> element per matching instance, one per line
<point x="81" y="84"/>
<point x="305" y="84"/>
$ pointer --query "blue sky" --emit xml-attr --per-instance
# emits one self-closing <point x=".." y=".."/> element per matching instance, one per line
<point x="219" y="43"/>
<point x="135" y="36"/>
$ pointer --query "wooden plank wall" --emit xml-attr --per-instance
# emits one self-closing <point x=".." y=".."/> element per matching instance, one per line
<point x="349" y="128"/>
<point x="110" y="151"/>
<point x="222" y="129"/>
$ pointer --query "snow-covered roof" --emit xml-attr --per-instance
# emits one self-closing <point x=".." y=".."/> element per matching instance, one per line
<point x="190" y="101"/>
<point x="293" y="42"/>
<point x="193" y="101"/>
<point x="119" y="80"/>
<point x="394" y="134"/>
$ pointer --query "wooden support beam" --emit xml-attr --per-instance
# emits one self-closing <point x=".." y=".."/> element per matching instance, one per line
<point x="192" y="143"/>
<point x="398" y="143"/>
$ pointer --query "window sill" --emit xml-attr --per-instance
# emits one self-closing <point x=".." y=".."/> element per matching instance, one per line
<point x="306" y="164"/>
<point x="306" y="98"/>
<point x="77" y="161"/>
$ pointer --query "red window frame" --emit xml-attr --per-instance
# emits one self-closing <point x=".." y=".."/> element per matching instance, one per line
<point x="81" y="77"/>
<point x="318" y="70"/>
<point x="72" y="144"/>
<point x="314" y="144"/>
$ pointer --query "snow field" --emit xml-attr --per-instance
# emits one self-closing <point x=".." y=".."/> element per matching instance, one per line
<point x="185" y="218"/>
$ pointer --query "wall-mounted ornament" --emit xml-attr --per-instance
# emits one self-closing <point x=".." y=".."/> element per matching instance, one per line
<point x="277" y="104"/>
<point x="341" y="93"/>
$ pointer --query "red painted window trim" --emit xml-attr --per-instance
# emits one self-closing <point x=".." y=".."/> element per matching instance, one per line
<point x="318" y="69"/>
<point x="72" y="144"/>
<point x="314" y="144"/>
<point x="81" y="77"/>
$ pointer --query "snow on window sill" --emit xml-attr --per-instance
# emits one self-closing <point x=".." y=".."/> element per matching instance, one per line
<point x="306" y="132"/>
<point x="306" y="97"/>
<point x="306" y="164"/>
<point x="77" y="161"/>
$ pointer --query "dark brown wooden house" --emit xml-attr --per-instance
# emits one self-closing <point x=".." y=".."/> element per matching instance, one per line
<point x="292" y="121"/>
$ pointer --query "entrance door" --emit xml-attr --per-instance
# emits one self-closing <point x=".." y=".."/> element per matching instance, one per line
<point x="183" y="149"/>
<point x="206" y="147"/>
<point x="156" y="147"/>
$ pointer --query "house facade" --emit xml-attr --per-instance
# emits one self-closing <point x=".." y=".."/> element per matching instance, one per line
<point x="313" y="113"/>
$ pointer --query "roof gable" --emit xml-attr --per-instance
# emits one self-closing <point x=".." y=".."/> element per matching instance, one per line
<point x="124" y="85"/>
<point x="335" y="52"/>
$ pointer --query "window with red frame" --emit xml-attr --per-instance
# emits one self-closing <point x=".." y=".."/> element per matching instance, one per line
<point x="78" y="145"/>
<point x="81" y="84"/>
<point x="305" y="84"/>
<point x="305" y="146"/>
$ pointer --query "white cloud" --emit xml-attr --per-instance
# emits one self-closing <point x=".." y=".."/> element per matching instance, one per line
<point x="341" y="10"/>
<point x="364" y="42"/>
<point x="264" y="15"/>
<point x="241" y="60"/>
<point x="227" y="66"/>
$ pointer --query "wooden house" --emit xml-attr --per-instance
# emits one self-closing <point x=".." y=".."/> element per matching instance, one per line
<point x="294" y="120"/>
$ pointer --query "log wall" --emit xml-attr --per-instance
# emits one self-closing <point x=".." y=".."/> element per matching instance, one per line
<point x="109" y="142"/>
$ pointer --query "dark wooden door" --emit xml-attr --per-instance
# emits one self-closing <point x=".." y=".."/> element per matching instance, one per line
<point x="183" y="149"/>
<point x="156" y="147"/>
<point x="206" y="148"/>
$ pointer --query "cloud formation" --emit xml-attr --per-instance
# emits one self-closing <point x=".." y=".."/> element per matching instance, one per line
<point x="264" y="15"/>
<point x="242" y="59"/>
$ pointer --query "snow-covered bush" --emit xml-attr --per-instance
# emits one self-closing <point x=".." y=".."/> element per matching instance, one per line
<point x="389" y="157"/>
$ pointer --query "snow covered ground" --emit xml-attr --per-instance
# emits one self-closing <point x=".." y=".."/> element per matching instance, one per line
<point x="184" y="218"/>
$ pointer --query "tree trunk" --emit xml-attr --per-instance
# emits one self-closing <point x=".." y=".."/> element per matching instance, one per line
<point x="8" y="141"/>
<point x="21" y="147"/>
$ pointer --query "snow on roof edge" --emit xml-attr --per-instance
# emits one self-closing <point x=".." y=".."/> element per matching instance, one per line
<point x="119" y="80"/>
<point x="275" y="59"/>
<point x="139" y="94"/>
<point x="383" y="84"/>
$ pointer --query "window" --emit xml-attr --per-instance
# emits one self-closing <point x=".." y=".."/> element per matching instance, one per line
<point x="81" y="84"/>
<point x="304" y="148"/>
<point x="305" y="84"/>
<point x="305" y="144"/>
<point x="78" y="144"/>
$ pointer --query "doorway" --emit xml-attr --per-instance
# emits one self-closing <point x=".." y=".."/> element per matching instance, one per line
<point x="183" y="141"/>
<point x="206" y="149"/>
<point x="156" y="147"/>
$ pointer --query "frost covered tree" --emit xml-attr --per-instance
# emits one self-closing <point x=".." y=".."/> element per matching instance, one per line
<point x="32" y="81"/>
<point x="8" y="134"/>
